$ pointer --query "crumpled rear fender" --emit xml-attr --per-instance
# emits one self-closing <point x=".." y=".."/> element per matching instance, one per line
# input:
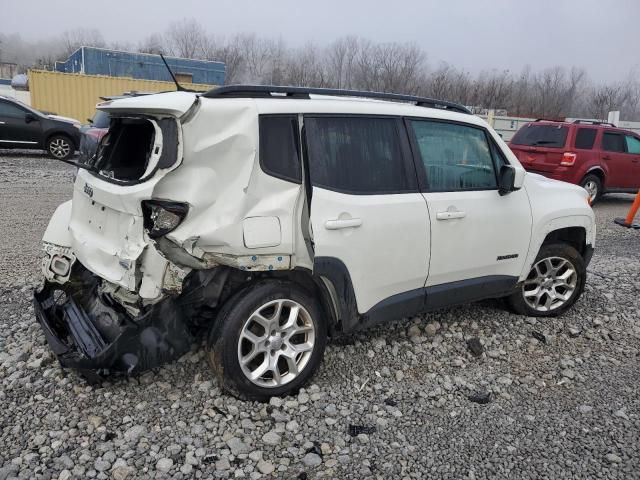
<point x="57" y="231"/>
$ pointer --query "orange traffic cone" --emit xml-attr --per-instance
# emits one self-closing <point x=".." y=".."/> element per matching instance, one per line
<point x="628" y="220"/>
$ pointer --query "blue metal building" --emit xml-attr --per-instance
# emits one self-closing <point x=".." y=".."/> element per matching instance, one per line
<point x="115" y="63"/>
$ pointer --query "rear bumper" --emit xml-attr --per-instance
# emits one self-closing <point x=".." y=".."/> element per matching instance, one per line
<point x="94" y="335"/>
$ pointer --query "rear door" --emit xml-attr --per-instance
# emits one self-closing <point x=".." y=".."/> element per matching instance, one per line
<point x="366" y="209"/>
<point x="620" y="171"/>
<point x="540" y="146"/>
<point x="479" y="239"/>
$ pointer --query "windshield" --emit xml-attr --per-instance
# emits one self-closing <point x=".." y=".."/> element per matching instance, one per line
<point x="100" y="120"/>
<point x="552" y="136"/>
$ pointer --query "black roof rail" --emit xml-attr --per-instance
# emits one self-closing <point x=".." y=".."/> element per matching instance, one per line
<point x="548" y="120"/>
<point x="268" y="91"/>
<point x="594" y="122"/>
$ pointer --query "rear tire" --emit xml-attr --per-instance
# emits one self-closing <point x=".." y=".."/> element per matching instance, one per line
<point x="268" y="340"/>
<point x="593" y="185"/>
<point x="60" y="147"/>
<point x="554" y="284"/>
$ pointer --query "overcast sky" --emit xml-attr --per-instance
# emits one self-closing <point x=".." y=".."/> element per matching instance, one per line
<point x="603" y="37"/>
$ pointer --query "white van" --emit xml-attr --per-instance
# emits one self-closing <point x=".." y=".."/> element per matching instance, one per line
<point x="266" y="219"/>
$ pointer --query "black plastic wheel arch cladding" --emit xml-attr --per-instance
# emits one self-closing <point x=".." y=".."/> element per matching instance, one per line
<point x="336" y="272"/>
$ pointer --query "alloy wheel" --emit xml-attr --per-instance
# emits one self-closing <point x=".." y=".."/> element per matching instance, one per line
<point x="550" y="284"/>
<point x="276" y="343"/>
<point x="592" y="189"/>
<point x="59" y="148"/>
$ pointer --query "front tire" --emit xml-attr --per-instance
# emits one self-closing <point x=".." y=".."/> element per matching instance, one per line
<point x="555" y="282"/>
<point x="60" y="147"/>
<point x="268" y="340"/>
<point x="593" y="185"/>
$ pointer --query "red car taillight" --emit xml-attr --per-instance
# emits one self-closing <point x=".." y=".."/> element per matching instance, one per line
<point x="568" y="159"/>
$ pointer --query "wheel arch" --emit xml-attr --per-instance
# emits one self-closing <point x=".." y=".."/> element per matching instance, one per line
<point x="229" y="281"/>
<point x="52" y="133"/>
<point x="574" y="236"/>
<point x="576" y="230"/>
<point x="598" y="171"/>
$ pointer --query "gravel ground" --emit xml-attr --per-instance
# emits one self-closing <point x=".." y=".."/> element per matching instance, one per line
<point x="562" y="395"/>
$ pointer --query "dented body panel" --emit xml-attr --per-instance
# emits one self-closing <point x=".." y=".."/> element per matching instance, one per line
<point x="133" y="300"/>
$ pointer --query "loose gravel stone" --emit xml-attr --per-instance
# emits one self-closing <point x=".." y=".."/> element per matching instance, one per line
<point x="164" y="465"/>
<point x="271" y="438"/>
<point x="265" y="467"/>
<point x="312" y="460"/>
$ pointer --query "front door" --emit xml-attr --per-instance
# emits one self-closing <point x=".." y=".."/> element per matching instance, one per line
<point x="479" y="239"/>
<point x="16" y="129"/>
<point x="633" y="150"/>
<point x="366" y="209"/>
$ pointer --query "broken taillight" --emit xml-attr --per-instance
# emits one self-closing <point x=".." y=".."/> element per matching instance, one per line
<point x="162" y="217"/>
<point x="568" y="159"/>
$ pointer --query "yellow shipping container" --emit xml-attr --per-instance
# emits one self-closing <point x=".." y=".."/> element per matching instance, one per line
<point x="75" y="95"/>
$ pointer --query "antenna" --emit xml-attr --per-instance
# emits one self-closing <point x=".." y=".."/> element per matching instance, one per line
<point x="179" y="87"/>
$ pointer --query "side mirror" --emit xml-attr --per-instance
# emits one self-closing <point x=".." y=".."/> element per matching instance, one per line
<point x="506" y="179"/>
<point x="30" y="117"/>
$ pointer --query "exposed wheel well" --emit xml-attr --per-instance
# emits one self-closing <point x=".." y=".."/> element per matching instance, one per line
<point x="238" y="280"/>
<point x="574" y="236"/>
<point x="598" y="172"/>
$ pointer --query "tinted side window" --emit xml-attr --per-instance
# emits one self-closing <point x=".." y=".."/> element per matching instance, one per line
<point x="279" y="154"/>
<point x="633" y="144"/>
<point x="360" y="155"/>
<point x="613" y="142"/>
<point x="585" y="138"/>
<point x="455" y="157"/>
<point x="11" y="110"/>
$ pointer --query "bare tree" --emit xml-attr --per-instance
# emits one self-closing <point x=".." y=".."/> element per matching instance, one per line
<point x="82" y="37"/>
<point x="228" y="51"/>
<point x="186" y="39"/>
<point x="606" y="98"/>
<point x="153" y="44"/>
<point x="357" y="63"/>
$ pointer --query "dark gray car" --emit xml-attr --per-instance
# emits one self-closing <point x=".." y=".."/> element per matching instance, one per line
<point x="22" y="127"/>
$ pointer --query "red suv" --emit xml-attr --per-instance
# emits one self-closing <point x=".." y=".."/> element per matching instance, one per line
<point x="596" y="155"/>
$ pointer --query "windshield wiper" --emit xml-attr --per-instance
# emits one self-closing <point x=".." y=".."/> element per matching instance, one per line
<point x="543" y="142"/>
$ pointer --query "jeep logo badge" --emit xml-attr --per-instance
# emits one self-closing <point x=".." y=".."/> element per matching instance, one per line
<point x="88" y="190"/>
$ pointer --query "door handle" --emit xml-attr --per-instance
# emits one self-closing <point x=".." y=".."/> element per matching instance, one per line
<point x="606" y="157"/>
<point x="339" y="224"/>
<point x="448" y="215"/>
<point x="1" y="123"/>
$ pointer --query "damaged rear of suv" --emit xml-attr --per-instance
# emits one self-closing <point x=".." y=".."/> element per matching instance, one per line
<point x="263" y="220"/>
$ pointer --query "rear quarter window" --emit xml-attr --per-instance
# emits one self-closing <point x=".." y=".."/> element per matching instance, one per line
<point x="585" y="138"/>
<point x="540" y="135"/>
<point x="279" y="152"/>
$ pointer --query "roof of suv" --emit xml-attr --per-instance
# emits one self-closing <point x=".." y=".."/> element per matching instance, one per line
<point x="576" y="122"/>
<point x="323" y="102"/>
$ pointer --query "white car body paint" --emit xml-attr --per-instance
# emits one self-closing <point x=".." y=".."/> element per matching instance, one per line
<point x="242" y="217"/>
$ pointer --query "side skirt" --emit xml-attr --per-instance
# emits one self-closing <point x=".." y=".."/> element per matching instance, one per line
<point x="427" y="299"/>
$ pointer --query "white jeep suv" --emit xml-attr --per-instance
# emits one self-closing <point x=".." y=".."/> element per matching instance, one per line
<point x="266" y="219"/>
